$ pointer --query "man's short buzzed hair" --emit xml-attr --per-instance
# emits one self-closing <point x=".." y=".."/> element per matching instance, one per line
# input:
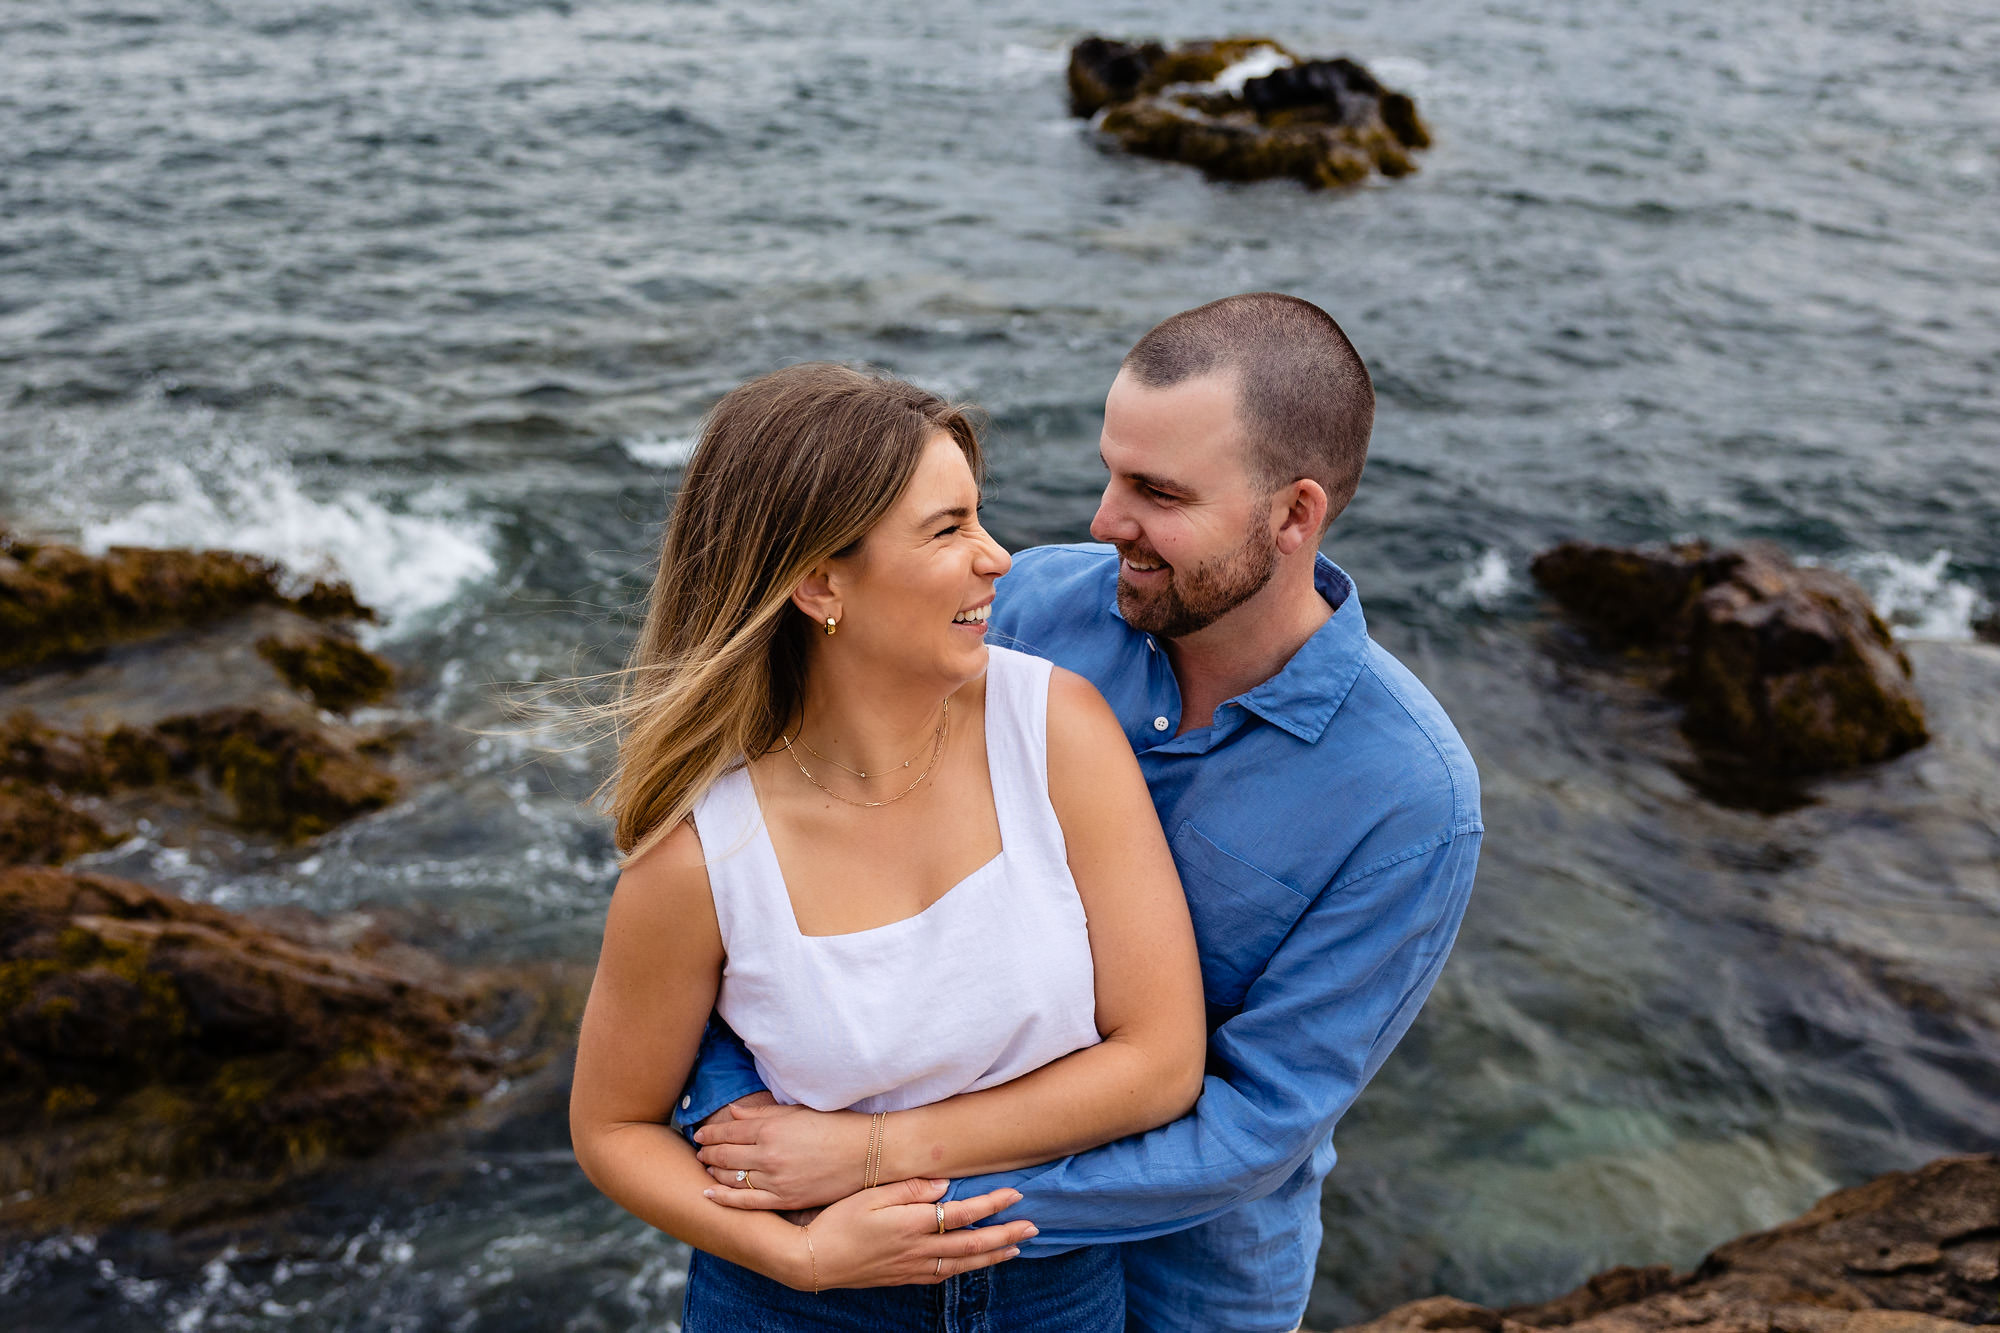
<point x="1305" y="399"/>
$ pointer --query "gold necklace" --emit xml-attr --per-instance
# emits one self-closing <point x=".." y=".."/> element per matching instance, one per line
<point x="855" y="771"/>
<point x="937" y="748"/>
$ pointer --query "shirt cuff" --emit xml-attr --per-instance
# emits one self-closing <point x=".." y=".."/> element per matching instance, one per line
<point x="715" y="1092"/>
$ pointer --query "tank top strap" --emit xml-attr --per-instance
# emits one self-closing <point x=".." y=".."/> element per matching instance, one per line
<point x="743" y="874"/>
<point x="1017" y="752"/>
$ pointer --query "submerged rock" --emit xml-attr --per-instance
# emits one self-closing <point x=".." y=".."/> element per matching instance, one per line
<point x="336" y="671"/>
<point x="1910" y="1252"/>
<point x="1782" y="666"/>
<point x="57" y="601"/>
<point x="162" y="1058"/>
<point x="1246" y="109"/>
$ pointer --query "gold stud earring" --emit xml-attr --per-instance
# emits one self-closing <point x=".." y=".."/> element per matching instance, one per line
<point x="829" y="625"/>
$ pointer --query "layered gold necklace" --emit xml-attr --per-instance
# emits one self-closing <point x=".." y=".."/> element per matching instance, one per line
<point x="937" y="749"/>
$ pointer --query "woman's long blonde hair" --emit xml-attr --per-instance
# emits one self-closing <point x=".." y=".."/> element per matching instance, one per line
<point x="792" y="468"/>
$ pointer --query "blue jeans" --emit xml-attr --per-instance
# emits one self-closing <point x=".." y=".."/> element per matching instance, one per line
<point x="1079" y="1292"/>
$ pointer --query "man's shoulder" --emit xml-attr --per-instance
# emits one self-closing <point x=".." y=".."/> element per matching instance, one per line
<point x="1396" y="736"/>
<point x="1073" y="565"/>
<point x="1069" y="585"/>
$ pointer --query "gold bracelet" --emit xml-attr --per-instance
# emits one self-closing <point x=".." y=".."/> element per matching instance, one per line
<point x="811" y="1258"/>
<point x="871" y="1164"/>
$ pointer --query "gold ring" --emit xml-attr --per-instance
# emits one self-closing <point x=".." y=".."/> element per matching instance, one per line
<point x="937" y="1266"/>
<point x="940" y="1209"/>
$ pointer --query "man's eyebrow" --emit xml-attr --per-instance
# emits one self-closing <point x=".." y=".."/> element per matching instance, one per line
<point x="1146" y="478"/>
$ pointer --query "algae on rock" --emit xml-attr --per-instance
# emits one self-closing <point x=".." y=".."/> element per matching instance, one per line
<point x="57" y="601"/>
<point x="159" y="1057"/>
<point x="333" y="669"/>
<point x="1246" y="109"/>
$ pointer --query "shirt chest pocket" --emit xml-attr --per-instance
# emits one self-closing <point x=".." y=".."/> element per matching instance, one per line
<point x="1240" y="914"/>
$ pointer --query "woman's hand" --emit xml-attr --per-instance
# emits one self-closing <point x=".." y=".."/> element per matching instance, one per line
<point x="888" y="1237"/>
<point x="794" y="1157"/>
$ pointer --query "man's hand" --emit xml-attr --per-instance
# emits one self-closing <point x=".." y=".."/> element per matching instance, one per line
<point x="790" y="1157"/>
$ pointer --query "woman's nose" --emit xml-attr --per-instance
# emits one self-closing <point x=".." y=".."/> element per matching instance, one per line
<point x="993" y="557"/>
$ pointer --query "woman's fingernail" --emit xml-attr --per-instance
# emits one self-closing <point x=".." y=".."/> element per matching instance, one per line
<point x="1014" y="1252"/>
<point x="708" y="1194"/>
<point x="1034" y="1230"/>
<point x="1016" y="1194"/>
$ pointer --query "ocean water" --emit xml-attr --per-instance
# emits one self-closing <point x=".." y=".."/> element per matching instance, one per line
<point x="434" y="293"/>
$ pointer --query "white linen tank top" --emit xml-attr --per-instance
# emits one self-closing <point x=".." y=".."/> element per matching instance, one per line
<point x="989" y="982"/>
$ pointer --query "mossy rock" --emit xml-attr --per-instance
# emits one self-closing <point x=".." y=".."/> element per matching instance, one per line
<point x="59" y="602"/>
<point x="338" y="673"/>
<point x="1324" y="123"/>
<point x="144" y="1036"/>
<point x="39" y="827"/>
<point x="286" y="775"/>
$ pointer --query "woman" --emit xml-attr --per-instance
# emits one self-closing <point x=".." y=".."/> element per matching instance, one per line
<point x="920" y="877"/>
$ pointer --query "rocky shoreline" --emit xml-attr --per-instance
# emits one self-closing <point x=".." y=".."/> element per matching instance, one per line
<point x="163" y="1061"/>
<point x="167" y="1064"/>
<point x="1910" y="1252"/>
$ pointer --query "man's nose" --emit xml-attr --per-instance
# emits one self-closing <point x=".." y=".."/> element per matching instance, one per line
<point x="1111" y="523"/>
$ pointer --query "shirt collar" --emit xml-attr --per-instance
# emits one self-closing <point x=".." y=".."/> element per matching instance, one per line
<point x="1309" y="689"/>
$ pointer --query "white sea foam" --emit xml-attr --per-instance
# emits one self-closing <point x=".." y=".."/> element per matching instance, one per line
<point x="1917" y="597"/>
<point x="401" y="562"/>
<point x="1264" y="60"/>
<point x="1486" y="583"/>
<point x="661" y="451"/>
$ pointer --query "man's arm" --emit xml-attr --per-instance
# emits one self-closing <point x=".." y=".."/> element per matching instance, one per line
<point x="723" y="1072"/>
<point x="1334" y="1001"/>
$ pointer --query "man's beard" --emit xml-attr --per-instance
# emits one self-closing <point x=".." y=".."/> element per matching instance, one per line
<point x="1197" y="598"/>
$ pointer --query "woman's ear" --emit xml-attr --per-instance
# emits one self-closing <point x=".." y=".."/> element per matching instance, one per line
<point x="818" y="596"/>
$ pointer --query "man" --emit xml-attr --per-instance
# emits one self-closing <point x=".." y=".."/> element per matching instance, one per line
<point x="1321" y="809"/>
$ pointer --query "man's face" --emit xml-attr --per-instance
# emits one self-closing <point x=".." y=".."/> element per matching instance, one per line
<point x="1192" y="526"/>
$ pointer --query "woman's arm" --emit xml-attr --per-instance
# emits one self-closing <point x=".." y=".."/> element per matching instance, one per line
<point x="656" y="982"/>
<point x="1146" y="1071"/>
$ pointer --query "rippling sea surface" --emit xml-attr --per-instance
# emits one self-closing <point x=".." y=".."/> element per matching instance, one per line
<point x="436" y="292"/>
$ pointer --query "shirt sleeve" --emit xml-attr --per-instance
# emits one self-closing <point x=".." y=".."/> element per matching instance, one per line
<point x="1337" y="996"/>
<point x="723" y="1071"/>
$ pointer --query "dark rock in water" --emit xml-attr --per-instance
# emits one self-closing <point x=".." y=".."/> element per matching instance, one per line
<point x="1988" y="628"/>
<point x="57" y="601"/>
<point x="284" y="775"/>
<point x="1102" y="71"/>
<point x="161" y="1058"/>
<point x="336" y="671"/>
<point x="1910" y="1252"/>
<point x="1323" y="122"/>
<point x="1785" y="667"/>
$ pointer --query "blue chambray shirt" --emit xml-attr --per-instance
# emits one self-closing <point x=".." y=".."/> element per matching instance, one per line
<point x="1326" y="827"/>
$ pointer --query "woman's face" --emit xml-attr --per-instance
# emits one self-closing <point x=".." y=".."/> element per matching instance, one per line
<point x="916" y="594"/>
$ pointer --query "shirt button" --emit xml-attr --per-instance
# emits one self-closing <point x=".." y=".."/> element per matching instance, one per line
<point x="1159" y="724"/>
<point x="687" y="1102"/>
